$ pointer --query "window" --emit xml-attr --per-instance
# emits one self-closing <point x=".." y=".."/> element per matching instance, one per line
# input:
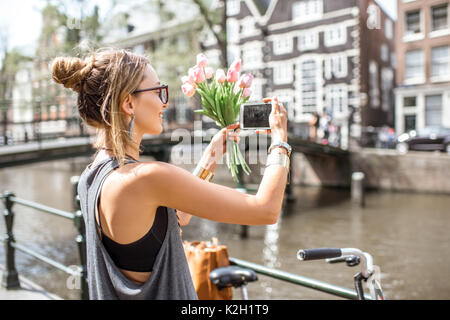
<point x="335" y="35"/>
<point x="440" y="58"/>
<point x="337" y="99"/>
<point x="307" y="10"/>
<point x="282" y="45"/>
<point x="287" y="98"/>
<point x="414" y="64"/>
<point x="389" y="29"/>
<point x="393" y="60"/>
<point x="412" y="20"/>
<point x="309" y="69"/>
<point x="409" y="102"/>
<point x="410" y="122"/>
<point x="433" y="110"/>
<point x="252" y="55"/>
<point x="387" y="83"/>
<point x="439" y="17"/>
<point x="283" y="73"/>
<point x="308" y="40"/>
<point x="374" y="89"/>
<point x="335" y="66"/>
<point x="384" y="52"/>
<point x="233" y="7"/>
<point x="248" y="27"/>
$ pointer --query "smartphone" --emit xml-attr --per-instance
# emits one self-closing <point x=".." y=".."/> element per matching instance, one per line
<point x="255" y="116"/>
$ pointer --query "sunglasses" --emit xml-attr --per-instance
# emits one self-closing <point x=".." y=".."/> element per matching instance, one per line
<point x="163" y="92"/>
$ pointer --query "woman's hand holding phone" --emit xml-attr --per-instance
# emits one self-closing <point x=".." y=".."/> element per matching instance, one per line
<point x="277" y="120"/>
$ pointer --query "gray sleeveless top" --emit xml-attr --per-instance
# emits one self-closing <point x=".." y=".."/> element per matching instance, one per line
<point x="170" y="278"/>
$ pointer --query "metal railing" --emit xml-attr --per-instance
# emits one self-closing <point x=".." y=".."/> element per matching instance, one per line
<point x="299" y="280"/>
<point x="10" y="279"/>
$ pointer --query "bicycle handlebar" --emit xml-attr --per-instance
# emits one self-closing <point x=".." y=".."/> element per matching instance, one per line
<point x="319" y="253"/>
<point x="326" y="253"/>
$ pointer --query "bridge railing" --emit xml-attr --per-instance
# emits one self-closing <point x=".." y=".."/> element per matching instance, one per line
<point x="22" y="132"/>
<point x="10" y="279"/>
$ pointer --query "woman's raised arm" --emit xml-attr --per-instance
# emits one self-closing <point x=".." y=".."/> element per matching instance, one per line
<point x="177" y="188"/>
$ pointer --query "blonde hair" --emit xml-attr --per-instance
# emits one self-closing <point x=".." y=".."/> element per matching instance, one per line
<point x="103" y="81"/>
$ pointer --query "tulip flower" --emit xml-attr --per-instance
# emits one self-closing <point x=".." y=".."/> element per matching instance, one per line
<point x="221" y="99"/>
<point x="209" y="72"/>
<point x="187" y="79"/>
<point x="247" y="92"/>
<point x="236" y="65"/>
<point x="232" y="75"/>
<point x="188" y="89"/>
<point x="202" y="61"/>
<point x="198" y="74"/>
<point x="220" y="76"/>
<point x="246" y="80"/>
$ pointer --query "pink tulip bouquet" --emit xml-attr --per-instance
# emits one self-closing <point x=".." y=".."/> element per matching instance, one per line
<point x="221" y="97"/>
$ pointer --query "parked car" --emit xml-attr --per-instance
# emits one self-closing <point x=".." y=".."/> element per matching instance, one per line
<point x="431" y="138"/>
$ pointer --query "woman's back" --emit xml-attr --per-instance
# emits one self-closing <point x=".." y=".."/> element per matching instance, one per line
<point x="170" y="278"/>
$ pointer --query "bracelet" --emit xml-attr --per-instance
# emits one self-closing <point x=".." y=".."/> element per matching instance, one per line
<point x="203" y="173"/>
<point x="278" y="159"/>
<point x="282" y="160"/>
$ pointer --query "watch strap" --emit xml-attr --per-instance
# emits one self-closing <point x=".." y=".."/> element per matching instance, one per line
<point x="281" y="144"/>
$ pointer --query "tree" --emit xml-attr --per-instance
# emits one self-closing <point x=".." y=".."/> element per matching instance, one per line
<point x="216" y="20"/>
<point x="10" y="63"/>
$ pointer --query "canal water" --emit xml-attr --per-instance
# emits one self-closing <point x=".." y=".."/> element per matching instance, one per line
<point x="407" y="234"/>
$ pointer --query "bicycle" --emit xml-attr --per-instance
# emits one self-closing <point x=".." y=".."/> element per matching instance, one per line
<point x="352" y="257"/>
<point x="239" y="277"/>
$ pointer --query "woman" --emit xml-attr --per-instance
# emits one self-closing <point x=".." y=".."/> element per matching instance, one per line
<point x="134" y="247"/>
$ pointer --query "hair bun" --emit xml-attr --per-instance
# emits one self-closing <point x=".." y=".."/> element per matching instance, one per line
<point x="71" y="71"/>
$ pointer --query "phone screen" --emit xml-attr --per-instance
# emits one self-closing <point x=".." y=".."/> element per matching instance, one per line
<point x="256" y="116"/>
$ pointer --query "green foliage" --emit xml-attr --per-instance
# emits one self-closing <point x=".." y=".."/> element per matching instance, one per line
<point x="12" y="62"/>
<point x="170" y="58"/>
<point x="58" y="21"/>
<point x="215" y="19"/>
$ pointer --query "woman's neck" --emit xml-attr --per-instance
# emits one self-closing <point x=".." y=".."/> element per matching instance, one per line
<point x="129" y="151"/>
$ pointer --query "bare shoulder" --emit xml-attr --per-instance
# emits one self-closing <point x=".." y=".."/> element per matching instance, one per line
<point x="150" y="177"/>
<point x="156" y="172"/>
<point x="136" y="185"/>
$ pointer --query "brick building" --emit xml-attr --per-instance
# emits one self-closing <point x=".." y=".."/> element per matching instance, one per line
<point x="423" y="73"/>
<point x="325" y="56"/>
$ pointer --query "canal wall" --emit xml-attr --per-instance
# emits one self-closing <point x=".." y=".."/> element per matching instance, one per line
<point x="388" y="170"/>
<point x="427" y="172"/>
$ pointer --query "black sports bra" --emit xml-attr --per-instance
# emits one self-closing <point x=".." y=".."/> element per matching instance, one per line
<point x="139" y="255"/>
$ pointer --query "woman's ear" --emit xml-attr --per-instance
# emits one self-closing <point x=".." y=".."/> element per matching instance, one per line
<point x="127" y="105"/>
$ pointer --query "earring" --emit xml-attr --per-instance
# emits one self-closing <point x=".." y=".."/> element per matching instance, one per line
<point x="130" y="126"/>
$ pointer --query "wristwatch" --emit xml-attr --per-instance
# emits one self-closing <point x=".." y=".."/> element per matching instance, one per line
<point x="281" y="144"/>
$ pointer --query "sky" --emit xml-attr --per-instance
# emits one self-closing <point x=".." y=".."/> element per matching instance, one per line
<point x="22" y="19"/>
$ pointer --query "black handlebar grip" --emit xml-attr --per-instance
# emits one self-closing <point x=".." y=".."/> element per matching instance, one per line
<point x="319" y="253"/>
